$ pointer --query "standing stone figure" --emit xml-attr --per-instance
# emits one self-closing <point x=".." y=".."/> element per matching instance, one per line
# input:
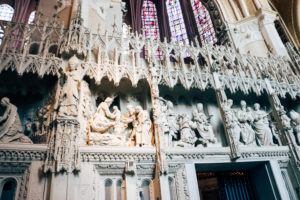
<point x="261" y="124"/>
<point x="143" y="128"/>
<point x="203" y="125"/>
<point x="245" y="118"/>
<point x="172" y="124"/>
<point x="232" y="122"/>
<point x="11" y="130"/>
<point x="102" y="120"/>
<point x="295" y="117"/>
<point x="69" y="95"/>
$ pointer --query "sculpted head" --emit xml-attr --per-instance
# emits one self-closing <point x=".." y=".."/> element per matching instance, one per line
<point x="256" y="106"/>
<point x="170" y="105"/>
<point x="243" y="104"/>
<point x="115" y="108"/>
<point x="294" y="115"/>
<point x="195" y="113"/>
<point x="229" y="103"/>
<point x="130" y="109"/>
<point x="5" y="102"/>
<point x="73" y="62"/>
<point x="200" y="107"/>
<point x="138" y="109"/>
<point x="108" y="101"/>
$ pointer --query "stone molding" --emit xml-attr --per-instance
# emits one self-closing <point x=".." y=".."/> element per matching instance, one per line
<point x="101" y="154"/>
<point x="22" y="152"/>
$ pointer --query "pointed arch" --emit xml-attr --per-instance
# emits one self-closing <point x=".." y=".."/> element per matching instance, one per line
<point x="204" y="22"/>
<point x="150" y="23"/>
<point x="176" y="22"/>
<point x="6" y="12"/>
<point x="31" y="17"/>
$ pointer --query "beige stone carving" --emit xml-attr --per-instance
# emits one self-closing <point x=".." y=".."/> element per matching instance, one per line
<point x="295" y="117"/>
<point x="69" y="95"/>
<point x="11" y="130"/>
<point x="262" y="128"/>
<point x="232" y="121"/>
<point x="187" y="135"/>
<point x="245" y="119"/>
<point x="202" y="125"/>
<point x="143" y="127"/>
<point x="101" y="122"/>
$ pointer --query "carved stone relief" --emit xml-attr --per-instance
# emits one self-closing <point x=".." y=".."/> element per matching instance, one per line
<point x="11" y="130"/>
<point x="181" y="130"/>
<point x="295" y="122"/>
<point x="133" y="128"/>
<point x="250" y="127"/>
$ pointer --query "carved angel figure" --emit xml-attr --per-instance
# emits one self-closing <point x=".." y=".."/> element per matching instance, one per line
<point x="202" y="125"/>
<point x="261" y="124"/>
<point x="69" y="95"/>
<point x="11" y="130"/>
<point x="245" y="119"/>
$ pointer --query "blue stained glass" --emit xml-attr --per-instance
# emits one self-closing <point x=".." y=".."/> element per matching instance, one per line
<point x="177" y="25"/>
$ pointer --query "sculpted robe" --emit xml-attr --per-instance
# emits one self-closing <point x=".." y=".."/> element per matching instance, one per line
<point x="11" y="129"/>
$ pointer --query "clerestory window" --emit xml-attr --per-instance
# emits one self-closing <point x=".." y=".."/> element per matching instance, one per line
<point x="31" y="17"/>
<point x="204" y="23"/>
<point x="176" y="21"/>
<point x="150" y="23"/>
<point x="6" y="12"/>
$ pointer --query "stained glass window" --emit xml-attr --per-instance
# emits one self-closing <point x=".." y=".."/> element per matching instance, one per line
<point x="6" y="12"/>
<point x="150" y="23"/>
<point x="204" y="23"/>
<point x="31" y="17"/>
<point x="177" y="25"/>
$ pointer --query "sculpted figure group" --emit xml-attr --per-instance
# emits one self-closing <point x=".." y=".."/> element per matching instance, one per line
<point x="182" y="131"/>
<point x="134" y="128"/>
<point x="249" y="127"/>
<point x="11" y="130"/>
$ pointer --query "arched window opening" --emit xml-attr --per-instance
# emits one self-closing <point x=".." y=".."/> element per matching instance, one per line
<point x="9" y="190"/>
<point x="204" y="22"/>
<point x="176" y="21"/>
<point x="31" y="17"/>
<point x="6" y="12"/>
<point x="34" y="49"/>
<point x="150" y="24"/>
<point x="145" y="193"/>
<point x="108" y="190"/>
<point x="119" y="190"/>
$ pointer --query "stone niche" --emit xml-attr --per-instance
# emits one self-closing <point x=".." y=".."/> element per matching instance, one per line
<point x="135" y="123"/>
<point x="186" y="102"/>
<point x="256" y="119"/>
<point x="33" y="98"/>
<point x="292" y="109"/>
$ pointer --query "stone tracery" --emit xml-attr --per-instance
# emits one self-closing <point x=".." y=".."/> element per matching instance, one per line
<point x="169" y="126"/>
